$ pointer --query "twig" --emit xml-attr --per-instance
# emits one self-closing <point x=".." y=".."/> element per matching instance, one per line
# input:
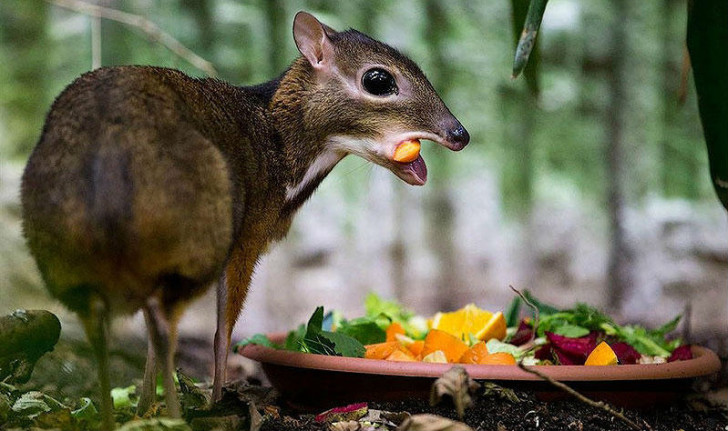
<point x="597" y="404"/>
<point x="536" y="315"/>
<point x="148" y="27"/>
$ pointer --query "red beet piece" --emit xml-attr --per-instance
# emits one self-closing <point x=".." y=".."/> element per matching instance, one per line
<point x="544" y="353"/>
<point x="626" y="354"/>
<point x="682" y="353"/>
<point x="581" y="346"/>
<point x="523" y="334"/>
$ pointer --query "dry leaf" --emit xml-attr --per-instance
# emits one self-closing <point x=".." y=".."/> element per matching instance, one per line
<point x="458" y="385"/>
<point x="491" y="389"/>
<point x="427" y="422"/>
<point x="345" y="426"/>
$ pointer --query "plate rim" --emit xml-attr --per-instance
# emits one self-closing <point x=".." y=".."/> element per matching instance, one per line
<point x="704" y="362"/>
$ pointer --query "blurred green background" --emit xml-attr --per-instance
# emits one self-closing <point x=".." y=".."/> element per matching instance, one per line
<point x="587" y="180"/>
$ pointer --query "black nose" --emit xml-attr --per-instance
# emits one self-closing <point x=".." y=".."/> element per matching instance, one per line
<point x="458" y="136"/>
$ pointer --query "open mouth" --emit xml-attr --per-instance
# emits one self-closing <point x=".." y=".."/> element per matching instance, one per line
<point x="406" y="161"/>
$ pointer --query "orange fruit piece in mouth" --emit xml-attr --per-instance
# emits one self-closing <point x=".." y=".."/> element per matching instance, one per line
<point x="407" y="151"/>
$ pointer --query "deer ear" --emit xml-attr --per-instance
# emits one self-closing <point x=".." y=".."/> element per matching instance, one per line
<point x="312" y="39"/>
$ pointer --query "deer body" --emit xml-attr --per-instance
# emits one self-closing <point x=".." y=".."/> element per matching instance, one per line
<point x="147" y="185"/>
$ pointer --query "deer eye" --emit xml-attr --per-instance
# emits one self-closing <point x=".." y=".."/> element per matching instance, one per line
<point x="379" y="82"/>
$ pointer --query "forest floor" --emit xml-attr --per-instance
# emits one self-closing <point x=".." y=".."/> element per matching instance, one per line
<point x="68" y="373"/>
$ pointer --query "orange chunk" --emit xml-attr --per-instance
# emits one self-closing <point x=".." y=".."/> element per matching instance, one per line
<point x="401" y="355"/>
<point x="380" y="350"/>
<point x="450" y="345"/>
<point x="471" y="320"/>
<point x="495" y="327"/>
<point x="474" y="354"/>
<point x="407" y="151"/>
<point x="602" y="355"/>
<point x="392" y="330"/>
<point x="498" y="358"/>
<point x="416" y="347"/>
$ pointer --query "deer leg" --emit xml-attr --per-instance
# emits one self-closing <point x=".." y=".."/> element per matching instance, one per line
<point x="162" y="335"/>
<point x="149" y="384"/>
<point x="222" y="340"/>
<point x="96" y="325"/>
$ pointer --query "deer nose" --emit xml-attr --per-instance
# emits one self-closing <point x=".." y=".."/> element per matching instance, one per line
<point x="458" y="136"/>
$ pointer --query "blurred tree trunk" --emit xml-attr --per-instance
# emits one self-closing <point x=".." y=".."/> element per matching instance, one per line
<point x="278" y="30"/>
<point x="201" y="11"/>
<point x="117" y="46"/>
<point x="619" y="277"/>
<point x="23" y="36"/>
<point x="441" y="222"/>
<point x="679" y="161"/>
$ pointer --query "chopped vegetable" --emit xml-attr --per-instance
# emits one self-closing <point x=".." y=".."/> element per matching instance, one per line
<point x="602" y="355"/>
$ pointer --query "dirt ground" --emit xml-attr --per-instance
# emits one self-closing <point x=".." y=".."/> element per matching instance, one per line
<point x="68" y="372"/>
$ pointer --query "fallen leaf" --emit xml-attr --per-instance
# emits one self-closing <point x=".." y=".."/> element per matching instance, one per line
<point x="427" y="422"/>
<point x="352" y="412"/>
<point x="457" y="384"/>
<point x="491" y="389"/>
<point x="345" y="426"/>
<point x="155" y="424"/>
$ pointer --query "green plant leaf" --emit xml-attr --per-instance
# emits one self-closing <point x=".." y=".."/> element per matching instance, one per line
<point x="87" y="411"/>
<point x="363" y="329"/>
<point x="571" y="331"/>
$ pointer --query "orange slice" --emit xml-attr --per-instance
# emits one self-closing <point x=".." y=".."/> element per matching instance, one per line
<point x="474" y="354"/>
<point x="498" y="358"/>
<point x="407" y="151"/>
<point x="392" y="330"/>
<point x="494" y="328"/>
<point x="602" y="355"/>
<point x="451" y="346"/>
<point x="467" y="320"/>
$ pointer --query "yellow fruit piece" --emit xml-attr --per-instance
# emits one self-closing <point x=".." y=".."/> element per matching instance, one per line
<point x="467" y="320"/>
<point x="602" y="355"/>
<point x="494" y="328"/>
<point x="436" y="357"/>
<point x="401" y="355"/>
<point x="407" y="151"/>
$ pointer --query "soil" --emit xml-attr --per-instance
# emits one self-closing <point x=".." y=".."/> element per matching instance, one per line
<point x="57" y="374"/>
<point x="493" y="413"/>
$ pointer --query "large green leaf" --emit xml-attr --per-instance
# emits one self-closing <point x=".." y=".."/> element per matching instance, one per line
<point x="708" y="45"/>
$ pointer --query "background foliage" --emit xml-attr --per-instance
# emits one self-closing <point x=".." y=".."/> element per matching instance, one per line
<point x="587" y="181"/>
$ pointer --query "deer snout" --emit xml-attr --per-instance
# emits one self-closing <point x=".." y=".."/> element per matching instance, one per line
<point x="454" y="135"/>
<point x="458" y="136"/>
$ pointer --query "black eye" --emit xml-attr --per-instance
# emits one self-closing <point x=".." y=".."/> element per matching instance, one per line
<point x="379" y="82"/>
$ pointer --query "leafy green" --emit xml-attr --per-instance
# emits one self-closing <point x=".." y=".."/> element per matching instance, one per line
<point x="494" y="346"/>
<point x="583" y="316"/>
<point x="571" y="331"/>
<point x="316" y="340"/>
<point x="384" y="312"/>
<point x="363" y="329"/>
<point x="122" y="396"/>
<point x="294" y="338"/>
<point x="647" y="342"/>
<point x="87" y="411"/>
<point x="260" y="339"/>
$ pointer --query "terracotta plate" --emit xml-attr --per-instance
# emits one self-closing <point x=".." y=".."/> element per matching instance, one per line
<point x="309" y="381"/>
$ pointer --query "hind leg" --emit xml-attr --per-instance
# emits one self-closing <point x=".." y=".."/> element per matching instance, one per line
<point x="96" y="325"/>
<point x="162" y="333"/>
<point x="147" y="396"/>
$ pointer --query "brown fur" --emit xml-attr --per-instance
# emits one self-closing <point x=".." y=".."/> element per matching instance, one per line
<point x="149" y="183"/>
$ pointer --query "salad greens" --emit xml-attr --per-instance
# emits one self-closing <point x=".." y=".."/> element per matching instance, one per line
<point x="332" y="334"/>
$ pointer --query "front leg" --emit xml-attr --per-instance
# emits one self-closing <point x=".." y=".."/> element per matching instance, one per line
<point x="231" y="292"/>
